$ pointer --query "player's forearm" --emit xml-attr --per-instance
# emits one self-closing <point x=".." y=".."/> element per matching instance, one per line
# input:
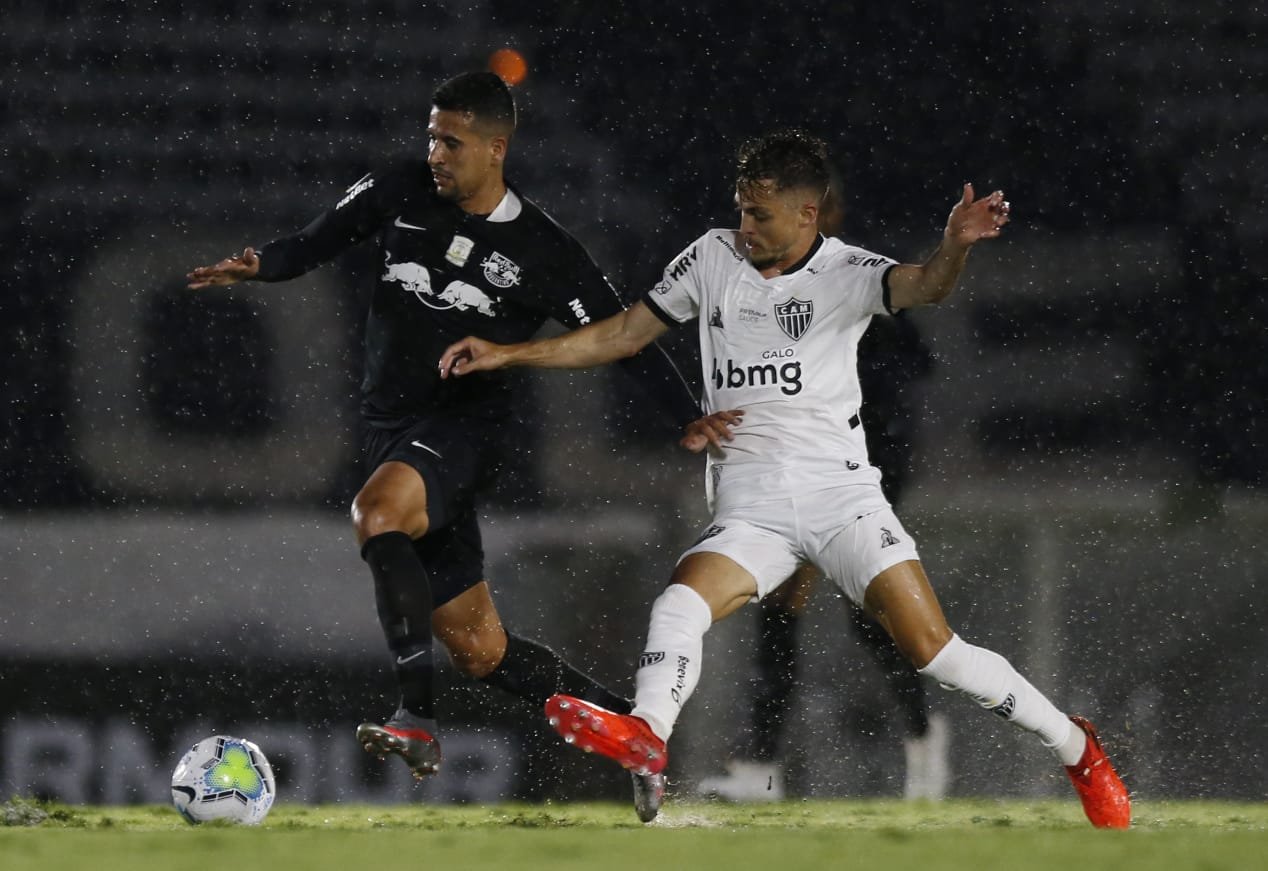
<point x="591" y="345"/>
<point x="933" y="280"/>
<point x="320" y="241"/>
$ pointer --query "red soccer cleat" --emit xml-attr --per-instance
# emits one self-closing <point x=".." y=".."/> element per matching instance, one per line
<point x="622" y="738"/>
<point x="1105" y="799"/>
<point x="419" y="749"/>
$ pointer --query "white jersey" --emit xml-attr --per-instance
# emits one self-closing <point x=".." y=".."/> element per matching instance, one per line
<point x="783" y="349"/>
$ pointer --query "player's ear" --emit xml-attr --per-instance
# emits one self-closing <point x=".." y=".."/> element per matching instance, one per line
<point x="809" y="213"/>
<point x="497" y="149"/>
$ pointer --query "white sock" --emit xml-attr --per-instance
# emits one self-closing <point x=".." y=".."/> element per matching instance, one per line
<point x="988" y="679"/>
<point x="669" y="668"/>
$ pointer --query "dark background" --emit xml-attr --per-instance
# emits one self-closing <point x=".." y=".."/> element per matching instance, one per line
<point x="250" y="117"/>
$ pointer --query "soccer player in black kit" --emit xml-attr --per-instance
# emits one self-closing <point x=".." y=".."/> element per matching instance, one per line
<point x="460" y="252"/>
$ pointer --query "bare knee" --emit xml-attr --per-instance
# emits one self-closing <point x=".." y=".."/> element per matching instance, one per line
<point x="394" y="499"/>
<point x="925" y="645"/>
<point x="475" y="653"/>
<point x="373" y="516"/>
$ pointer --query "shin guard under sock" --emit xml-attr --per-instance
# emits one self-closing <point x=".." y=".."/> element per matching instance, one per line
<point x="402" y="594"/>
<point x="988" y="679"/>
<point x="669" y="667"/>
<point x="534" y="672"/>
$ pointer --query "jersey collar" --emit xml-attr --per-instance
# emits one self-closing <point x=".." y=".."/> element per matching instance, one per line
<point x="814" y="249"/>
<point x="507" y="210"/>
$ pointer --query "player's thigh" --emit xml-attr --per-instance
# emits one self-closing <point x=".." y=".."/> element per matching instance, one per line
<point x="424" y="473"/>
<point x="794" y="594"/>
<point x="866" y="545"/>
<point x="903" y="601"/>
<point x="735" y="561"/>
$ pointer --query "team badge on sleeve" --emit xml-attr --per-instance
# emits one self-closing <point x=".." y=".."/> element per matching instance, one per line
<point x="794" y="317"/>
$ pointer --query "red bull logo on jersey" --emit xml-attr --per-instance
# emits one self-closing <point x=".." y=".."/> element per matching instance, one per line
<point x="413" y="277"/>
<point x="794" y="317"/>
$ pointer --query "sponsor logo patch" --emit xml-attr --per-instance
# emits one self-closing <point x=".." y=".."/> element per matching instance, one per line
<point x="728" y="246"/>
<point x="785" y="376"/>
<point x="413" y="277"/>
<point x="888" y="539"/>
<point x="579" y="310"/>
<point x="358" y="187"/>
<point x="680" y="680"/>
<point x="651" y="658"/>
<point x="861" y="260"/>
<point x="679" y="269"/>
<point x="459" y="250"/>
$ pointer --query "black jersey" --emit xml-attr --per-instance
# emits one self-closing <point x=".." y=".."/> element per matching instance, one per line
<point x="443" y="274"/>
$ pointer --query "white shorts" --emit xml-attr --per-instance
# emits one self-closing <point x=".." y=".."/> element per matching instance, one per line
<point x="771" y="523"/>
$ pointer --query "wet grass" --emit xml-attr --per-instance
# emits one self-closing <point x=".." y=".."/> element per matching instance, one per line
<point x="799" y="834"/>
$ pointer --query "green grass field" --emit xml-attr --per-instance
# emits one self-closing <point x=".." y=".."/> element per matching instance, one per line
<point x="1033" y="836"/>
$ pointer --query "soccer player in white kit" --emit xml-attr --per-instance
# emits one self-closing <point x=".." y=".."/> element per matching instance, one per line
<point x="780" y="311"/>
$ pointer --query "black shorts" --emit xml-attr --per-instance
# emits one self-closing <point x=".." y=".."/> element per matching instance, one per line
<point x="456" y="459"/>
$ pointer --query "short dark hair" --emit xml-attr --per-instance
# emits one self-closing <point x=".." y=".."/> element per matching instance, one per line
<point x="789" y="158"/>
<point x="483" y="94"/>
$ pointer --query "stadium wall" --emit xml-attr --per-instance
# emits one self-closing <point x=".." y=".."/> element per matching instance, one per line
<point x="126" y="636"/>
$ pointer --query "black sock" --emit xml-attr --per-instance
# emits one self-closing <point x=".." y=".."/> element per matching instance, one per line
<point x="402" y="593"/>
<point x="904" y="681"/>
<point x="534" y="672"/>
<point x="776" y="672"/>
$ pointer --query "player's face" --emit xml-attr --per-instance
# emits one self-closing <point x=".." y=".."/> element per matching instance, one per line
<point x="463" y="160"/>
<point x="773" y="224"/>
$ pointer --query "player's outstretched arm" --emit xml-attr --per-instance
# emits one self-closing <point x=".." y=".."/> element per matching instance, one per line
<point x="622" y="335"/>
<point x="970" y="222"/>
<point x="231" y="270"/>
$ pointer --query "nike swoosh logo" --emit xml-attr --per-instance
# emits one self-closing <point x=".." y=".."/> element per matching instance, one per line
<point x="401" y="660"/>
<point x="432" y="451"/>
<point x="404" y="226"/>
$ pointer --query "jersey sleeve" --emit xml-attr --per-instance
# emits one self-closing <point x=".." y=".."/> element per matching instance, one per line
<point x="358" y="214"/>
<point x="869" y="279"/>
<point x="578" y="292"/>
<point x="581" y="294"/>
<point x="675" y="299"/>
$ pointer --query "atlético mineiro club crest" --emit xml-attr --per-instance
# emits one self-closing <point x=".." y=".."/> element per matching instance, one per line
<point x="794" y="317"/>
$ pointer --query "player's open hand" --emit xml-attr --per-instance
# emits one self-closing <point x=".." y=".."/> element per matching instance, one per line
<point x="972" y="220"/>
<point x="231" y="270"/>
<point x="711" y="430"/>
<point x="471" y="355"/>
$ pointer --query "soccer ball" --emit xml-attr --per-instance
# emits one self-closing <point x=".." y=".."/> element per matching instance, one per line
<point x="223" y="778"/>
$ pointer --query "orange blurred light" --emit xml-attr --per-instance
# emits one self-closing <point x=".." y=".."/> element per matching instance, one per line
<point x="509" y="64"/>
